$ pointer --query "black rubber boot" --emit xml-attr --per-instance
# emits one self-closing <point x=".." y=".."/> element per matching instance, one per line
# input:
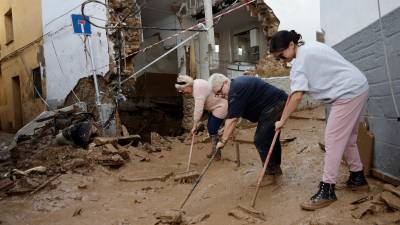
<point x="357" y="181"/>
<point x="214" y="142"/>
<point x="324" y="197"/>
<point x="274" y="170"/>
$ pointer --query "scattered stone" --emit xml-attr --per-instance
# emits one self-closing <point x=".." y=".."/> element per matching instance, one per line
<point x="173" y="217"/>
<point x="124" y="153"/>
<point x="114" y="161"/>
<point x="109" y="149"/>
<point x="77" y="212"/>
<point x="75" y="163"/>
<point x="6" y="184"/>
<point x="392" y="200"/>
<point x="82" y="186"/>
<point x="142" y="157"/>
<point x="363" y="209"/>
<point x="247" y="214"/>
<point x="391" y="188"/>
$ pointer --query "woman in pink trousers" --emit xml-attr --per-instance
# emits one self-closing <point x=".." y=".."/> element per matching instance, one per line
<point x="325" y="75"/>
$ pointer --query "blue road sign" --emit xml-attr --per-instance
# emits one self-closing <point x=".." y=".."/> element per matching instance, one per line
<point x="81" y="24"/>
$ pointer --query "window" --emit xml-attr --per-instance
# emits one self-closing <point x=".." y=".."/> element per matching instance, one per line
<point x="37" y="82"/>
<point x="8" y="23"/>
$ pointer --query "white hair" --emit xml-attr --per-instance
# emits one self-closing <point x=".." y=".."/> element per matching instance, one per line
<point x="216" y="80"/>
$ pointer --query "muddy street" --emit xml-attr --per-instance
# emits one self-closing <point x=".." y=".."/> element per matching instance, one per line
<point x="99" y="195"/>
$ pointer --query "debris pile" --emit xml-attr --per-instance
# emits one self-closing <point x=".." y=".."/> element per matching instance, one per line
<point x="385" y="203"/>
<point x="178" y="217"/>
<point x="269" y="67"/>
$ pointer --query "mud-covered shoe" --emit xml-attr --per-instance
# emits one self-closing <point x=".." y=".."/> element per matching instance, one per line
<point x="275" y="170"/>
<point x="324" y="197"/>
<point x="214" y="142"/>
<point x="268" y="180"/>
<point x="357" y="181"/>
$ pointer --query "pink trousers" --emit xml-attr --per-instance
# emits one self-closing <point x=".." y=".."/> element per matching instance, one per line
<point x="341" y="136"/>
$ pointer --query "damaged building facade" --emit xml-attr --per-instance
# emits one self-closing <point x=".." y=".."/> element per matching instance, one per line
<point x="42" y="59"/>
<point x="154" y="43"/>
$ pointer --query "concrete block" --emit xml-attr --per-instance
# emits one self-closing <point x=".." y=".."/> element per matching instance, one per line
<point x="382" y="106"/>
<point x="386" y="158"/>
<point x="385" y="130"/>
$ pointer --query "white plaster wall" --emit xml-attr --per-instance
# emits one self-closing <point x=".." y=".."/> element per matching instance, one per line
<point x="342" y="18"/>
<point x="70" y="47"/>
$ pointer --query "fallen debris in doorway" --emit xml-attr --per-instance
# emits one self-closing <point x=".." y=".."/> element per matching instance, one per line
<point x="154" y="178"/>
<point x="247" y="214"/>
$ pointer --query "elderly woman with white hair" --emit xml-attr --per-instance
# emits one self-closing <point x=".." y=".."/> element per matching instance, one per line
<point x="204" y="99"/>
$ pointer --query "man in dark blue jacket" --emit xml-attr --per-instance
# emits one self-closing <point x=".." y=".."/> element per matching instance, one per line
<point x="259" y="102"/>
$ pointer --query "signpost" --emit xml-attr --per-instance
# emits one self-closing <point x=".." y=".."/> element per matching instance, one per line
<point x="82" y="26"/>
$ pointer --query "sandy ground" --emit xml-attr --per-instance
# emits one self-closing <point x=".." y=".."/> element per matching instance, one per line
<point x="98" y="197"/>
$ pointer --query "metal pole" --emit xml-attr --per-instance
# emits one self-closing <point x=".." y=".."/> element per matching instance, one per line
<point x="96" y="87"/>
<point x="209" y="22"/>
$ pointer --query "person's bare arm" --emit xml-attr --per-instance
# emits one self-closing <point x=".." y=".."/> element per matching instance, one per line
<point x="294" y="101"/>
<point x="229" y="127"/>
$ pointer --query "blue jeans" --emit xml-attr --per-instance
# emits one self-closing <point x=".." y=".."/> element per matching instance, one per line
<point x="213" y="124"/>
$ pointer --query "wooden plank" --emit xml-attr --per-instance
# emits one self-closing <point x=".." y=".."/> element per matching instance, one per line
<point x="365" y="142"/>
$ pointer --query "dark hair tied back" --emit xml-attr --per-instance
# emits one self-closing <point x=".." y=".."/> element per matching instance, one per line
<point x="281" y="40"/>
<point x="296" y="38"/>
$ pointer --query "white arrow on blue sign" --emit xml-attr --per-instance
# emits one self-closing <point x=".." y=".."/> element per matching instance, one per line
<point x="81" y="24"/>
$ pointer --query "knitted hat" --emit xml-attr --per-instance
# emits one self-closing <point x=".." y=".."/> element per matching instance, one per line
<point x="183" y="81"/>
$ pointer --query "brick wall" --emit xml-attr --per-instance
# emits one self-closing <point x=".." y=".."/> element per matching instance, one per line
<point x="365" y="50"/>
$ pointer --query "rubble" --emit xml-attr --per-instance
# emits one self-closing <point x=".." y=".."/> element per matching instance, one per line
<point x="247" y="214"/>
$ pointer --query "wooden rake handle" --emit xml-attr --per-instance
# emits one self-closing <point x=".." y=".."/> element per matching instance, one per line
<point x="271" y="148"/>
<point x="190" y="154"/>
<point x="262" y="172"/>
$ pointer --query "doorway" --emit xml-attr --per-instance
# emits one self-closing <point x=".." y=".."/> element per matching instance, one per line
<point x="16" y="89"/>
